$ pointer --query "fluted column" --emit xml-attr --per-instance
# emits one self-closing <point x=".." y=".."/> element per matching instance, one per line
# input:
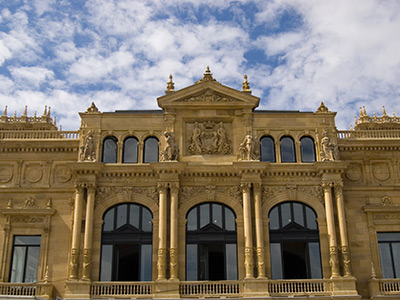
<point x="87" y="245"/>
<point x="174" y="237"/>
<point x="330" y="222"/>
<point x="259" y="231"/>
<point x="248" y="236"/>
<point x="76" y="233"/>
<point x="344" y="244"/>
<point x="162" y="231"/>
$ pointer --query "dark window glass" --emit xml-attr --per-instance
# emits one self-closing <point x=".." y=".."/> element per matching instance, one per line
<point x="389" y="251"/>
<point x="267" y="145"/>
<point x="288" y="153"/>
<point x="110" y="150"/>
<point x="294" y="236"/>
<point x="126" y="253"/>
<point x="211" y="251"/>
<point x="25" y="259"/>
<point x="307" y="149"/>
<point x="150" y="150"/>
<point x="130" y="150"/>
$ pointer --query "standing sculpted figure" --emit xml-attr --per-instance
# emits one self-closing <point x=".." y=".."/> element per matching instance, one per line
<point x="222" y="141"/>
<point x="328" y="150"/>
<point x="246" y="147"/>
<point x="195" y="145"/>
<point x="88" y="150"/>
<point x="171" y="150"/>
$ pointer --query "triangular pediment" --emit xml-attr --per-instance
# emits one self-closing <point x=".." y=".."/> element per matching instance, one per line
<point x="208" y="94"/>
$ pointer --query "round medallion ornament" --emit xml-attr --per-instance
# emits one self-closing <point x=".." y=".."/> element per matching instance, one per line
<point x="63" y="174"/>
<point x="353" y="172"/>
<point x="33" y="174"/>
<point x="6" y="174"/>
<point x="381" y="171"/>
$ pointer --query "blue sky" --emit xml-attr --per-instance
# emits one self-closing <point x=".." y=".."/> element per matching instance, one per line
<point x="119" y="53"/>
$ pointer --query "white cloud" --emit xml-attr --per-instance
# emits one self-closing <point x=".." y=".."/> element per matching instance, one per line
<point x="31" y="77"/>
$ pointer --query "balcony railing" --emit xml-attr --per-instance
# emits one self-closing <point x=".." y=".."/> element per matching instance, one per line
<point x="389" y="286"/>
<point x="44" y="290"/>
<point x="201" y="289"/>
<point x="38" y="135"/>
<point x="369" y="134"/>
<point x="122" y="289"/>
<point x="299" y="287"/>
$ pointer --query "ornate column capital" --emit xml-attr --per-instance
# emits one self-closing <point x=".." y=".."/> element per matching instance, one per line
<point x="162" y="187"/>
<point x="257" y="187"/>
<point x="79" y="187"/>
<point x="174" y="187"/>
<point x="246" y="186"/>
<point x="327" y="185"/>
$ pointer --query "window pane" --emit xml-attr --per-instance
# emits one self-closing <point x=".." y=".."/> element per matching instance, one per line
<point x="134" y="215"/>
<point x="388" y="236"/>
<point x="191" y="262"/>
<point x="287" y="150"/>
<point x="229" y="219"/>
<point x="147" y="223"/>
<point x="32" y="264"/>
<point x="27" y="240"/>
<point x="298" y="213"/>
<point x="121" y="215"/>
<point x="110" y="150"/>
<point x="130" y="151"/>
<point x="307" y="149"/>
<point x="231" y="262"/>
<point x="150" y="150"/>
<point x="311" y="219"/>
<point x="106" y="262"/>
<point x="192" y="220"/>
<point x="217" y="214"/>
<point x="109" y="220"/>
<point x="17" y="269"/>
<point x="286" y="215"/>
<point x="386" y="260"/>
<point x="315" y="260"/>
<point x="274" y="219"/>
<point x="145" y="264"/>
<point x="396" y="259"/>
<point x="204" y="215"/>
<point x="267" y="149"/>
<point x="276" y="261"/>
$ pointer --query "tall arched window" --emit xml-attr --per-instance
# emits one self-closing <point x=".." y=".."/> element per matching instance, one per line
<point x="110" y="150"/>
<point x="288" y="153"/>
<point x="126" y="247"/>
<point x="294" y="242"/>
<point x="150" y="150"/>
<point x="130" y="150"/>
<point x="307" y="149"/>
<point x="267" y="145"/>
<point x="211" y="252"/>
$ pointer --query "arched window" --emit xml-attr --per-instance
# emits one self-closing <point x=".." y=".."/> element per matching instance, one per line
<point x="211" y="252"/>
<point x="150" y="150"/>
<point x="288" y="153"/>
<point x="294" y="238"/>
<point x="307" y="149"/>
<point x="267" y="146"/>
<point x="126" y="247"/>
<point x="130" y="150"/>
<point x="110" y="150"/>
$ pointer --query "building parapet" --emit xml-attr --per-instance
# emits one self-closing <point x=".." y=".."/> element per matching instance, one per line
<point x="368" y="134"/>
<point x="38" y="135"/>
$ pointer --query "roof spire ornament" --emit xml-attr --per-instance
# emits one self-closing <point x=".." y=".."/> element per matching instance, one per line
<point x="45" y="111"/>
<point x="246" y="85"/>
<point x="364" y="111"/>
<point x="208" y="75"/>
<point x="322" y="108"/>
<point x="92" y="109"/>
<point x="48" y="112"/>
<point x="170" y="85"/>
<point x="26" y="111"/>
<point x="384" y="111"/>
<point x="3" y="118"/>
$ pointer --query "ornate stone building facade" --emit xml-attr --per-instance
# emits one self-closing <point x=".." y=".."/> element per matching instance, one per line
<point x="206" y="197"/>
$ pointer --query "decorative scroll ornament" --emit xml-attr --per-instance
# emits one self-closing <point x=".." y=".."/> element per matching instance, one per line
<point x="171" y="150"/>
<point x="88" y="150"/>
<point x="209" y="138"/>
<point x="329" y="151"/>
<point x="249" y="148"/>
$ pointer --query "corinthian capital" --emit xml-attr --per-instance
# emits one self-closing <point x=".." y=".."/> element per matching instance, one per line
<point x="246" y="186"/>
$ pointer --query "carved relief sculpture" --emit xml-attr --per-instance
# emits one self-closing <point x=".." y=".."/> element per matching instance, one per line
<point x="209" y="138"/>
<point x="88" y="150"/>
<point x="249" y="149"/>
<point x="171" y="150"/>
<point x="329" y="151"/>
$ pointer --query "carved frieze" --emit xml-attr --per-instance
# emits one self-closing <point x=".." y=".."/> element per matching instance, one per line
<point x="208" y="138"/>
<point x="208" y="96"/>
<point x="104" y="192"/>
<point x="186" y="192"/>
<point x="291" y="191"/>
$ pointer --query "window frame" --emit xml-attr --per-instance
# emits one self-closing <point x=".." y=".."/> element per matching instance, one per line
<point x="124" y="150"/>
<point x="293" y="146"/>
<point x="145" y="153"/>
<point x="265" y="137"/>
<point x="103" y="154"/>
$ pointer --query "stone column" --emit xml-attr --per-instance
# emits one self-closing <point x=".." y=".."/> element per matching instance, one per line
<point x="330" y="222"/>
<point x="76" y="233"/>
<point x="174" y="237"/>
<point x="259" y="231"/>
<point x="162" y="231"/>
<point x="344" y="244"/>
<point x="248" y="236"/>
<point x="87" y="245"/>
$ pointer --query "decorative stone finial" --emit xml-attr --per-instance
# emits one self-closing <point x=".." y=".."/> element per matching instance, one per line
<point x="170" y="85"/>
<point x="364" y="111"/>
<point x="45" y="110"/>
<point x="208" y="75"/>
<point x="246" y="85"/>
<point x="10" y="204"/>
<point x="361" y="113"/>
<point x="4" y="118"/>
<point x="384" y="111"/>
<point x="322" y="108"/>
<point x="5" y="111"/>
<point x="48" y="112"/>
<point x="92" y="109"/>
<point x="355" y="120"/>
<point x="25" y="111"/>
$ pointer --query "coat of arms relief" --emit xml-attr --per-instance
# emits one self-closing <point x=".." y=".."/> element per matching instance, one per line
<point x="208" y="138"/>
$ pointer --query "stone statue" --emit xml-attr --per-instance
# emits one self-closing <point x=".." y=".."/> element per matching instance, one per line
<point x="329" y="151"/>
<point x="171" y="150"/>
<point x="195" y="145"/>
<point x="88" y="150"/>
<point x="248" y="148"/>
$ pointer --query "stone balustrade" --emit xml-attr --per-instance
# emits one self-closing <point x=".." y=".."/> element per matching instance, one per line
<point x="44" y="290"/>
<point x="38" y="135"/>
<point x="200" y="289"/>
<point x="121" y="289"/>
<point x="368" y="134"/>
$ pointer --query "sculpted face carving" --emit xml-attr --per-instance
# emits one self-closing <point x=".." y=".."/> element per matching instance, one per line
<point x="209" y="138"/>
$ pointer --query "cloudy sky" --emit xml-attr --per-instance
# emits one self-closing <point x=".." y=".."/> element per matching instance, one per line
<point x="119" y="53"/>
